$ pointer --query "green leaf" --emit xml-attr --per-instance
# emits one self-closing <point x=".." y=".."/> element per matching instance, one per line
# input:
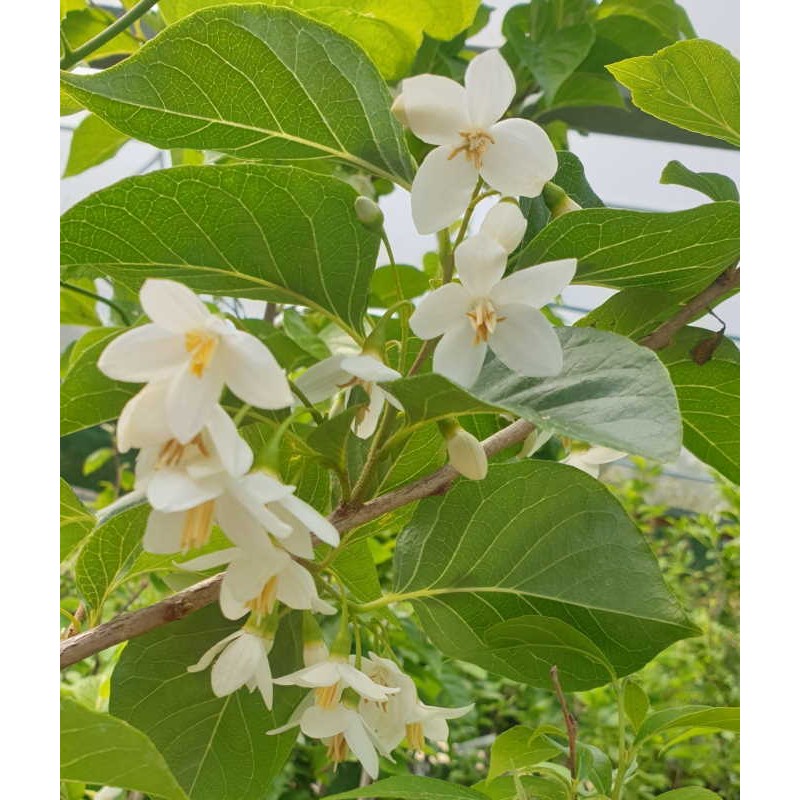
<point x="412" y="787"/>
<point x="535" y="538"/>
<point x="98" y="748"/>
<point x="544" y="642"/>
<point x="540" y="788"/>
<point x="166" y="224"/>
<point x="594" y="765"/>
<point x="690" y="793"/>
<point x="87" y="396"/>
<point x="633" y="312"/>
<point x="586" y="89"/>
<point x="299" y="332"/>
<point x="254" y="82"/>
<point x="355" y="567"/>
<point x="67" y="104"/>
<point x="417" y="456"/>
<point x="708" y="395"/>
<point x="98" y="459"/>
<point x="692" y="84"/>
<point x="666" y="16"/>
<point x="106" y="552"/>
<point x="93" y="142"/>
<point x="77" y="308"/>
<point x="553" y="59"/>
<point x="679" y="251"/>
<point x="711" y="184"/>
<point x="636" y="703"/>
<point x="712" y="719"/>
<point x="83" y="24"/>
<point x="383" y="290"/>
<point x="76" y="521"/>
<point x="390" y="32"/>
<point x="216" y="746"/>
<point x="611" y="392"/>
<point x="519" y="748"/>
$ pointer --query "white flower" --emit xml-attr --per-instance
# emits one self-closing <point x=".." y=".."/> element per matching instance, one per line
<point x="256" y="580"/>
<point x="198" y="353"/>
<point x="333" y="374"/>
<point x="330" y="677"/>
<point x="514" y="156"/>
<point x="341" y="728"/>
<point x="466" y="454"/>
<point x="403" y="715"/>
<point x="590" y="460"/>
<point x="243" y="661"/>
<point x="486" y="309"/>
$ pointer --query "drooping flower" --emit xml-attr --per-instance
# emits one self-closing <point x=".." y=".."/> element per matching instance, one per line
<point x="465" y="452"/>
<point x="590" y="461"/>
<point x="256" y="580"/>
<point x="341" y="372"/>
<point x="513" y="156"/>
<point x="403" y="715"/>
<point x="197" y="353"/>
<point x="243" y="661"/>
<point x="487" y="310"/>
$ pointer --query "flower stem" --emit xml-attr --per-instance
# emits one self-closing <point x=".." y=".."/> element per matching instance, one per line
<point x="623" y="757"/>
<point x="300" y="395"/>
<point x="72" y="57"/>
<point x="99" y="298"/>
<point x="404" y="311"/>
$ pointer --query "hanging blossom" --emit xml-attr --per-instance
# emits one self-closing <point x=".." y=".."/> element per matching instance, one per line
<point x="197" y="353"/>
<point x="513" y="156"/>
<point x="242" y="659"/>
<point x="403" y="715"/>
<point x="488" y="311"/>
<point x="341" y="372"/>
<point x="590" y="460"/>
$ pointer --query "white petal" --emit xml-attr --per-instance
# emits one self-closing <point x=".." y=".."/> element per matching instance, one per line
<point x="441" y="190"/>
<point x="236" y="665"/>
<point x="365" y="426"/>
<point x="359" y="742"/>
<point x="319" y="606"/>
<point x="324" y="379"/>
<point x="247" y="576"/>
<point x="481" y="262"/>
<point x="425" y="712"/>
<point x="209" y="560"/>
<point x="296" y="587"/>
<point x="535" y="286"/>
<point x="173" y="490"/>
<point x="143" y="421"/>
<point x="576" y="460"/>
<point x="230" y="607"/>
<point x="364" y="685"/>
<point x="163" y="532"/>
<point x="191" y="399"/>
<point x="172" y="306"/>
<point x="526" y="342"/>
<point x="312" y="519"/>
<point x="320" y="723"/>
<point x="298" y="542"/>
<point x="252" y="373"/>
<point x="490" y="88"/>
<point x="264" y="488"/>
<point x="506" y="224"/>
<point x="240" y="526"/>
<point x="440" y="310"/>
<point x="602" y="455"/>
<point x="146" y="353"/>
<point x="435" y="729"/>
<point x="297" y="715"/>
<point x="457" y="357"/>
<point x="368" y="368"/>
<point x="256" y="508"/>
<point x="467" y="455"/>
<point x="263" y="679"/>
<point x="435" y="108"/>
<point x="212" y="651"/>
<point x="521" y="160"/>
<point x="325" y="673"/>
<point x="233" y="452"/>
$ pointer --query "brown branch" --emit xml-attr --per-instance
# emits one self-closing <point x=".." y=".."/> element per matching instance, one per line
<point x="569" y="721"/>
<point x="662" y="336"/>
<point x="127" y="626"/>
<point x="135" y="623"/>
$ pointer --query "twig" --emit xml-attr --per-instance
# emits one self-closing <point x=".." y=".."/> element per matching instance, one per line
<point x="77" y="618"/>
<point x="569" y="721"/>
<point x="72" y="57"/>
<point x="662" y="336"/>
<point x="135" y="623"/>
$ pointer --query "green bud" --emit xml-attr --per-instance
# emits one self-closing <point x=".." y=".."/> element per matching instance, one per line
<point x="557" y="200"/>
<point x="369" y="213"/>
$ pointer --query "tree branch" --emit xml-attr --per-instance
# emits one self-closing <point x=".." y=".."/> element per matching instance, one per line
<point x="127" y="626"/>
<point x="662" y="336"/>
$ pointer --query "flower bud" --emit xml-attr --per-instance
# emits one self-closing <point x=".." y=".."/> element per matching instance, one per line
<point x="558" y="201"/>
<point x="369" y="213"/>
<point x="506" y="224"/>
<point x="533" y="442"/>
<point x="466" y="453"/>
<point x="399" y="110"/>
<point x="314" y="647"/>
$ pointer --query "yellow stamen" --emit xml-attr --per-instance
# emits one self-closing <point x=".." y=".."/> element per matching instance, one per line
<point x="172" y="453"/>
<point x="201" y="346"/>
<point x="473" y="147"/>
<point x="337" y="749"/>
<point x="197" y="526"/>
<point x="484" y="319"/>
<point x="415" y="736"/>
<point x="327" y="696"/>
<point x="265" y="601"/>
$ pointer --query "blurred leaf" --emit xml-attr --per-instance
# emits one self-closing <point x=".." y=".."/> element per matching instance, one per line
<point x="411" y="787"/>
<point x="83" y="24"/>
<point x="76" y="521"/>
<point x="519" y="748"/>
<point x="297" y="329"/>
<point x="690" y="793"/>
<point x="633" y="312"/>
<point x="711" y="184"/>
<point x="636" y="704"/>
<point x="383" y="288"/>
<point x="97" y="459"/>
<point x="716" y="719"/>
<point x="93" y="142"/>
<point x="77" y="308"/>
